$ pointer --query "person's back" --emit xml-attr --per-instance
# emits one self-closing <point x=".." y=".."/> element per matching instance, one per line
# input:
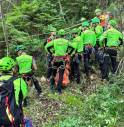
<point x="89" y="37"/>
<point x="112" y="36"/>
<point x="24" y="63"/>
<point x="13" y="90"/>
<point x="60" y="47"/>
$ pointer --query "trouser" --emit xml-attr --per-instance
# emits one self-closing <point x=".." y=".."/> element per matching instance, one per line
<point x="49" y="70"/>
<point x="96" y="52"/>
<point x="109" y="53"/>
<point x="96" y="55"/>
<point x="49" y="66"/>
<point x="35" y="82"/>
<point x="37" y="87"/>
<point x="61" y="65"/>
<point x="75" y="71"/>
<point x="87" y="53"/>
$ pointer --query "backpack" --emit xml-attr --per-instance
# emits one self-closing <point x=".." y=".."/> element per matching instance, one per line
<point x="9" y="111"/>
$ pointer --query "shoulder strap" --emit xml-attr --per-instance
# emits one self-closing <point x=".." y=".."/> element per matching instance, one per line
<point x="11" y="79"/>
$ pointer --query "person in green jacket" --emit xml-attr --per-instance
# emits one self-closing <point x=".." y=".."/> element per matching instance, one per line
<point x="25" y="64"/>
<point x="112" y="38"/>
<point x="98" y="29"/>
<point x="82" y="20"/>
<point x="61" y="47"/>
<point x="49" y="58"/>
<point x="76" y="57"/>
<point x="89" y="40"/>
<point x="7" y="68"/>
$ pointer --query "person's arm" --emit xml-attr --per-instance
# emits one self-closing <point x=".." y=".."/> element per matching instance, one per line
<point x="103" y="36"/>
<point x="94" y="42"/>
<point x="17" y="87"/>
<point x="49" y="46"/>
<point x="23" y="88"/>
<point x="34" y="64"/>
<point x="121" y="39"/>
<point x="72" y="47"/>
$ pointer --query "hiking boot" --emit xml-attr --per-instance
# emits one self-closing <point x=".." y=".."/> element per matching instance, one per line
<point x="40" y="94"/>
<point x="48" y="80"/>
<point x="50" y="87"/>
<point x="59" y="92"/>
<point x="102" y="80"/>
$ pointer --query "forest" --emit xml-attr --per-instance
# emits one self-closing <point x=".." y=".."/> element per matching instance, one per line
<point x="91" y="104"/>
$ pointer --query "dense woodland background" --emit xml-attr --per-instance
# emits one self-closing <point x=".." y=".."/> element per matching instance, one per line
<point x="92" y="104"/>
<point x="34" y="17"/>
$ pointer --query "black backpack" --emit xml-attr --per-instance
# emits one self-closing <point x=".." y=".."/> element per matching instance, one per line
<point x="9" y="111"/>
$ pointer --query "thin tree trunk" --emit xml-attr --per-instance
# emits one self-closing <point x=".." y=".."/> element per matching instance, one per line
<point x="4" y="29"/>
<point x="61" y="11"/>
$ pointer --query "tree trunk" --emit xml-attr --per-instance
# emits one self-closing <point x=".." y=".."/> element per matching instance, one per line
<point x="4" y="29"/>
<point x="61" y="11"/>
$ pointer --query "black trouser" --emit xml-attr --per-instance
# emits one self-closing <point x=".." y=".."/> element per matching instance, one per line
<point x="87" y="53"/>
<point x="49" y="70"/>
<point x="96" y="52"/>
<point x="61" y="65"/>
<point x="96" y="55"/>
<point x="75" y="71"/>
<point x="49" y="66"/>
<point x="112" y="53"/>
<point x="37" y="87"/>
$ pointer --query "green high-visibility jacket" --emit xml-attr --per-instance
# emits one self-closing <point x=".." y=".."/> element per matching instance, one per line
<point x="60" y="46"/>
<point x="24" y="63"/>
<point x="112" y="36"/>
<point x="89" y="37"/>
<point x="17" y="87"/>
<point x="80" y="29"/>
<point x="78" y="42"/>
<point x="98" y="31"/>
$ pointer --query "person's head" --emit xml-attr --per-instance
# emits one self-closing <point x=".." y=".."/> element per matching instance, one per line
<point x="53" y="31"/>
<point x="82" y="20"/>
<point x="95" y="22"/>
<point x="98" y="12"/>
<point x="112" y="24"/>
<point x="85" y="26"/>
<point x="62" y="33"/>
<point x="7" y="65"/>
<point x="74" y="32"/>
<point x="20" y="49"/>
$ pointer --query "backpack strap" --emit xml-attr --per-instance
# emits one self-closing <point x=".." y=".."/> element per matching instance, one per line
<point x="10" y="79"/>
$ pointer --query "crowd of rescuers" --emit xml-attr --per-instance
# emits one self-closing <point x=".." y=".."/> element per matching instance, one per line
<point x="63" y="58"/>
<point x="99" y="37"/>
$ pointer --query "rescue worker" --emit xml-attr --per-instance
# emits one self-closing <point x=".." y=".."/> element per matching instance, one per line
<point x="50" y="57"/>
<point x="25" y="64"/>
<point x="112" y="38"/>
<point x="20" y="88"/>
<point x="89" y="41"/>
<point x="82" y="20"/>
<point x="98" y="31"/>
<point x="61" y="47"/>
<point x="102" y="17"/>
<point x="75" y="57"/>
